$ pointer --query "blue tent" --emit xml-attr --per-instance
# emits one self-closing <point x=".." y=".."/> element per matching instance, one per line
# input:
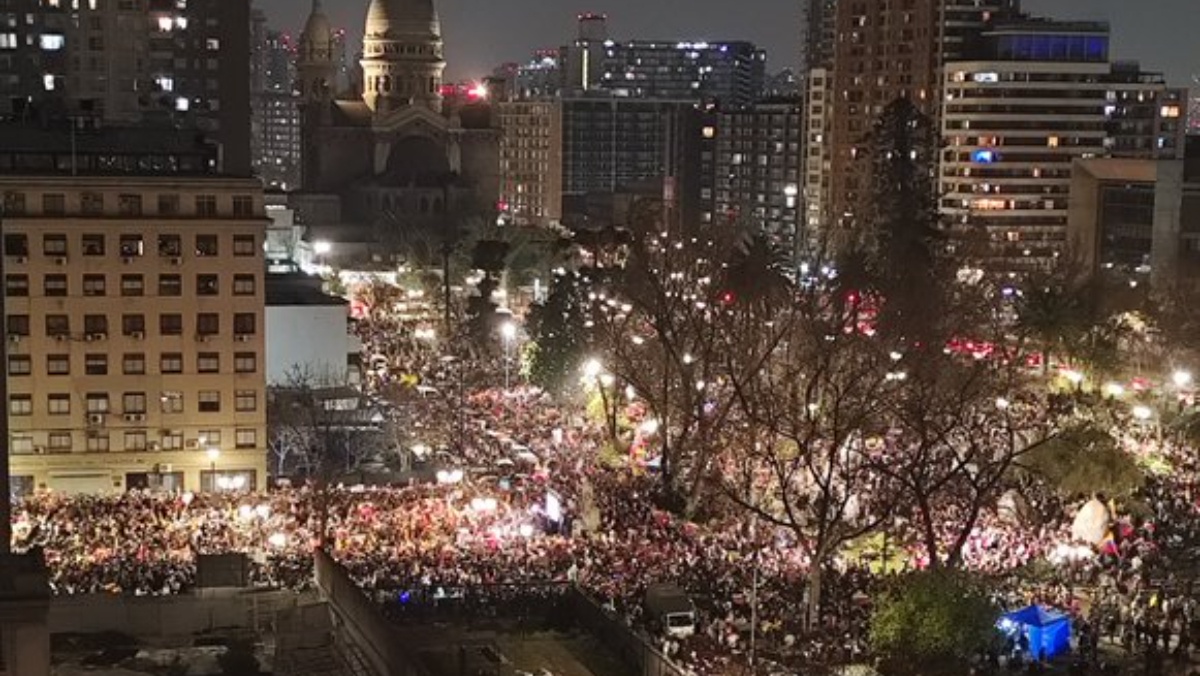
<point x="1048" y="631"/>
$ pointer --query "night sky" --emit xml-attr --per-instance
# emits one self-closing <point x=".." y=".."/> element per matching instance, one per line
<point x="483" y="33"/>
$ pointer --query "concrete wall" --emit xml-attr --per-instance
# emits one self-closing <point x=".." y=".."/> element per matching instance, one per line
<point x="162" y="616"/>
<point x="314" y="338"/>
<point x="24" y="596"/>
<point x="358" y="624"/>
<point x="633" y="647"/>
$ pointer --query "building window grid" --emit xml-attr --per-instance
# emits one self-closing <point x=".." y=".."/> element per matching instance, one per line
<point x="171" y="402"/>
<point x="208" y="401"/>
<point x="97" y="403"/>
<point x="20" y="404"/>
<point x="133" y="364"/>
<point x="246" y="401"/>
<point x="58" y="404"/>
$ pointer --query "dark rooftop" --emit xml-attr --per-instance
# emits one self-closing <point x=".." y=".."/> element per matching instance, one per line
<point x="54" y="148"/>
<point x="296" y="289"/>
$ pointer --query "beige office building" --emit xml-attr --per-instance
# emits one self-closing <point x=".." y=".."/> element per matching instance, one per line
<point x="134" y="333"/>
<point x="531" y="162"/>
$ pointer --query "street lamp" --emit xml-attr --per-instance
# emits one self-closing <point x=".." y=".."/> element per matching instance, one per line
<point x="1181" y="378"/>
<point x="213" y="455"/>
<point x="509" y="332"/>
<point x="592" y="369"/>
<point x="594" y="375"/>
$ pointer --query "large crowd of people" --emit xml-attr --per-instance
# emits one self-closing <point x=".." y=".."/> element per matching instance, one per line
<point x="533" y="507"/>
<point x="499" y="529"/>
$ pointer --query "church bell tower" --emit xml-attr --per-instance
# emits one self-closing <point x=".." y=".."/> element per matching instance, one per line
<point x="314" y="68"/>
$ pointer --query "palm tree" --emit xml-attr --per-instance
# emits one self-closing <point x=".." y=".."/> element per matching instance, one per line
<point x="756" y="275"/>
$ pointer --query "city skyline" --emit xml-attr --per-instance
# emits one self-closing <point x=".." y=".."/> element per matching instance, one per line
<point x="521" y="26"/>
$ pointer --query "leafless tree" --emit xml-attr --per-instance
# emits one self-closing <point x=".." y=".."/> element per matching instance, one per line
<point x="324" y="423"/>
<point x="656" y="326"/>
<point x="809" y="392"/>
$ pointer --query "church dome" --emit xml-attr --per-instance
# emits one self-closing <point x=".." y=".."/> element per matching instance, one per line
<point x="395" y="18"/>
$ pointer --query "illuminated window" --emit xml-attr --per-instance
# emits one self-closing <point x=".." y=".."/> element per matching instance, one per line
<point x="989" y="205"/>
<point x="1052" y="142"/>
<point x="983" y="156"/>
<point x="1169" y="111"/>
<point x="51" y="42"/>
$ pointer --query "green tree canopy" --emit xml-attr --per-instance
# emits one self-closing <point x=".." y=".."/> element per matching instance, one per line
<point x="558" y="333"/>
<point x="933" y="622"/>
<point x="1086" y="461"/>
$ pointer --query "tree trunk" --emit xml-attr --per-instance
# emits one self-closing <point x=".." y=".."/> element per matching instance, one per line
<point x="928" y="533"/>
<point x="812" y="613"/>
<point x="955" y="555"/>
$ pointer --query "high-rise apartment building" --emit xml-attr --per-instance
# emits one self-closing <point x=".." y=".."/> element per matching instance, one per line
<point x="199" y="62"/>
<point x="278" y="147"/>
<point x="531" y="161"/>
<point x="134" y="332"/>
<point x="1146" y="118"/>
<point x="1015" y="122"/>
<point x="872" y="54"/>
<point x="275" y="139"/>
<point x="963" y="22"/>
<point x="174" y="62"/>
<point x="582" y="60"/>
<point x="540" y="77"/>
<point x="755" y="173"/>
<point x="728" y="73"/>
<point x="820" y="34"/>
<point x="610" y="142"/>
<point x="817" y="163"/>
<point x="1012" y="125"/>
<point x="882" y="52"/>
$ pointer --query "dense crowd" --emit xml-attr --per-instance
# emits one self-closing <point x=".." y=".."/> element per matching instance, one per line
<point x="533" y="507"/>
<point x="498" y="530"/>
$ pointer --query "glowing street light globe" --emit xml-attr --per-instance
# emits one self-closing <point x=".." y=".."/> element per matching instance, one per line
<point x="592" y="368"/>
<point x="1181" y="378"/>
